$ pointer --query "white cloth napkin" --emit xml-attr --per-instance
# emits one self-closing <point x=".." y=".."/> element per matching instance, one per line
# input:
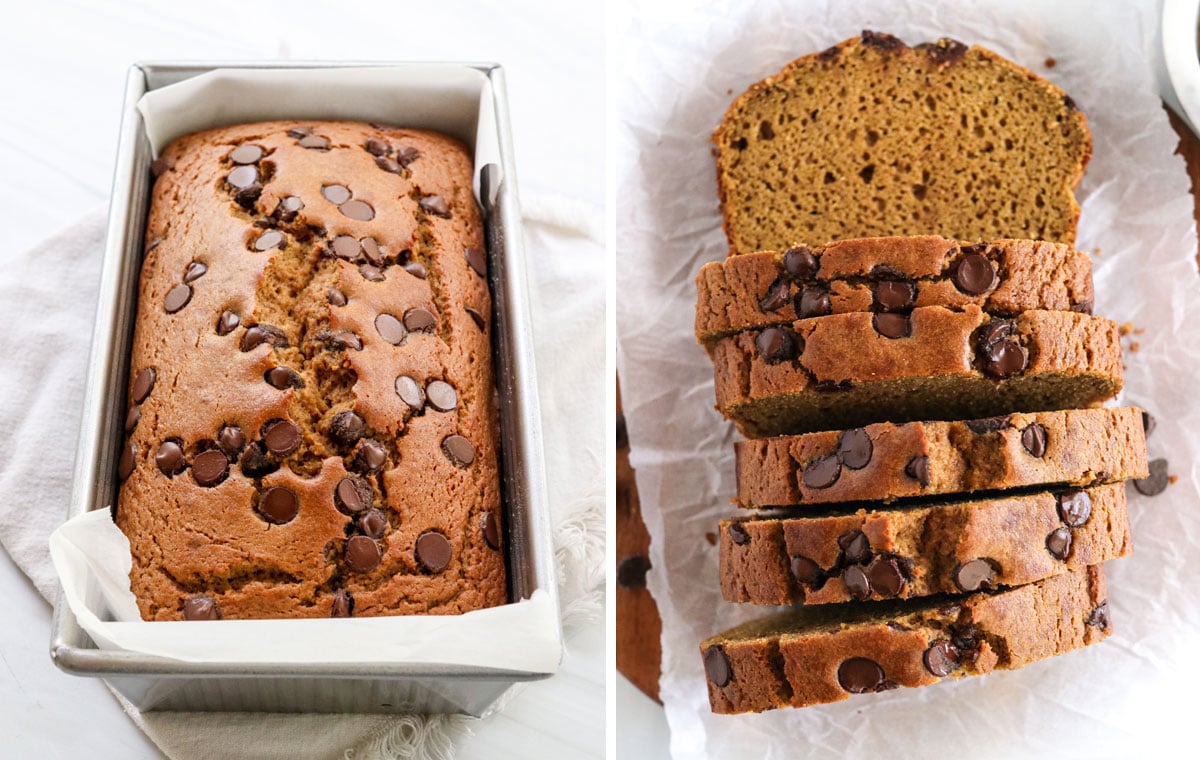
<point x="41" y="393"/>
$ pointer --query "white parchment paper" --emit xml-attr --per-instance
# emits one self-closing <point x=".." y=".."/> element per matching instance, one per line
<point x="679" y="66"/>
<point x="91" y="556"/>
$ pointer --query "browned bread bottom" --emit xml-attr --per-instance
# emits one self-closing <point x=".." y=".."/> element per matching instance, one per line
<point x="825" y="654"/>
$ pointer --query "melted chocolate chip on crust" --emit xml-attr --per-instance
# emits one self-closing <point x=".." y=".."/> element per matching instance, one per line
<point x="362" y="554"/>
<point x="918" y="469"/>
<point x="491" y="530"/>
<point x="892" y="326"/>
<point x="1033" y="440"/>
<point x="436" y="205"/>
<point x="777" y="344"/>
<point x="823" y="472"/>
<point x="201" y="608"/>
<point x="1058" y="543"/>
<point x="813" y="301"/>
<point x="1075" y="507"/>
<point x="855" y="448"/>
<point x="210" y="467"/>
<point x="975" y="274"/>
<point x="458" y="450"/>
<point x="353" y="495"/>
<point x="975" y="574"/>
<point x="279" y="505"/>
<point x="800" y="263"/>
<point x="858" y="675"/>
<point x="941" y="658"/>
<point x="343" y="604"/>
<point x="433" y="551"/>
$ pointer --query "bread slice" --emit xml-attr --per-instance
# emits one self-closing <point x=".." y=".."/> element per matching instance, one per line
<point x="914" y="551"/>
<point x="872" y="137"/>
<point x="847" y="370"/>
<point x="887" y="461"/>
<point x="824" y="654"/>
<point x="1003" y="278"/>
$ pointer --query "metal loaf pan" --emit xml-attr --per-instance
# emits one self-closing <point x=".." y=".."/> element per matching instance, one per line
<point x="156" y="683"/>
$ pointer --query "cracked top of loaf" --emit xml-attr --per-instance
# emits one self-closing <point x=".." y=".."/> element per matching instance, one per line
<point x="311" y="425"/>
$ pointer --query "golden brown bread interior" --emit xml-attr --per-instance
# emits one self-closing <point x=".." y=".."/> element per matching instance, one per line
<point x="872" y="137"/>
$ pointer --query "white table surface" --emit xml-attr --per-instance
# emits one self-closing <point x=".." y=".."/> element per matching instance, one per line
<point x="62" y="69"/>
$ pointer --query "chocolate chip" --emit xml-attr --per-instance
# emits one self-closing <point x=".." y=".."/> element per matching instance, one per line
<point x="352" y="495"/>
<point x="491" y="530"/>
<point x="800" y="263"/>
<point x="377" y="147"/>
<point x="373" y="524"/>
<point x="126" y="462"/>
<point x="882" y="41"/>
<point x="891" y="295"/>
<point x="1005" y="359"/>
<point x="243" y="177"/>
<point x="1058" y="543"/>
<point x="283" y="378"/>
<point x="823" y="472"/>
<point x="1148" y="422"/>
<point x="974" y="274"/>
<point x="857" y="583"/>
<point x="1069" y="102"/>
<point x="268" y="240"/>
<point x="346" y="247"/>
<point x="813" y="301"/>
<point x="335" y="297"/>
<point x="892" y="325"/>
<point x="941" y="658"/>
<point x="1083" y="307"/>
<point x="227" y="322"/>
<point x="1075" y="507"/>
<point x="246" y="154"/>
<point x="194" y="271"/>
<point x="886" y="575"/>
<point x="372" y="456"/>
<point x="858" y="675"/>
<point x="410" y="392"/>
<point x="477" y="258"/>
<point x="433" y="551"/>
<point x="458" y="450"/>
<point x="177" y="298"/>
<point x="362" y="554"/>
<point x="406" y="156"/>
<point x="965" y="638"/>
<point x="390" y="329"/>
<point x="132" y="418"/>
<point x="232" y="440"/>
<point x="944" y="51"/>
<point x="143" y="384"/>
<point x="480" y="322"/>
<point x="346" y="428"/>
<point x="201" y="608"/>
<point x="717" y="667"/>
<point x="344" y="339"/>
<point x="777" y="344"/>
<point x="918" y="469"/>
<point x="975" y="574"/>
<point x="359" y="210"/>
<point x="256" y="463"/>
<point x="368" y="272"/>
<point x="415" y="268"/>
<point x="298" y="132"/>
<point x="776" y="297"/>
<point x="1033" y="439"/>
<point x="279" y="505"/>
<point x="441" y="395"/>
<point x="388" y="165"/>
<point x="419" y="320"/>
<point x="738" y="534"/>
<point x="855" y="448"/>
<point x="805" y="571"/>
<point x="1002" y="355"/>
<point x="343" y="604"/>
<point x="631" y="572"/>
<point x="855" y="546"/>
<point x="169" y="458"/>
<point x="256" y="335"/>
<point x="829" y="53"/>
<point x="370" y="249"/>
<point x="282" y="437"/>
<point x="988" y="425"/>
<point x="287" y="209"/>
<point x="1098" y="618"/>
<point x="336" y="194"/>
<point x="314" y="142"/>
<point x="436" y="205"/>
<point x="1156" y="482"/>
<point x="210" y="467"/>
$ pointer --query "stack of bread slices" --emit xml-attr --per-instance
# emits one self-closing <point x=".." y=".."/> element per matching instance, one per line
<point x="929" y="477"/>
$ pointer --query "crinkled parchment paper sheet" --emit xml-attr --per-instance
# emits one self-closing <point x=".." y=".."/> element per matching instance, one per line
<point x="678" y="69"/>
